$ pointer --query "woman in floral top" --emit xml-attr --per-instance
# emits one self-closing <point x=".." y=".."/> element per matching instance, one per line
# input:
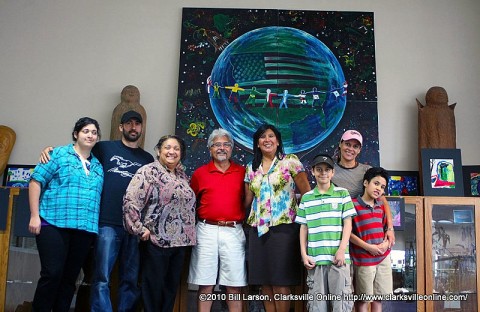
<point x="274" y="252"/>
<point x="159" y="207"/>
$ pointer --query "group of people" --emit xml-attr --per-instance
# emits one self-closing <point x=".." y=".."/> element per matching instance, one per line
<point x="147" y="213"/>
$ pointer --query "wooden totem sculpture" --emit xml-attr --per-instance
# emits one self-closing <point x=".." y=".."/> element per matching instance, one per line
<point x="436" y="122"/>
<point x="7" y="140"/>
<point x="130" y="100"/>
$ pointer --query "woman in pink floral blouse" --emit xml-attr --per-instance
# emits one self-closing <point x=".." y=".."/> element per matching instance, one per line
<point x="274" y="251"/>
<point x="159" y="207"/>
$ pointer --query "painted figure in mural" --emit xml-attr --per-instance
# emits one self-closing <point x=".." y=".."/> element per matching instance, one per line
<point x="64" y="197"/>
<point x="342" y="89"/>
<point x="303" y="97"/>
<point x="130" y="100"/>
<point x="345" y="89"/>
<point x="349" y="173"/>
<point x="216" y="90"/>
<point x="7" y="140"/>
<point x="316" y="97"/>
<point x="284" y="100"/>
<point x="209" y="84"/>
<point x="269" y="98"/>
<point x="252" y="96"/>
<point x="219" y="188"/>
<point x="234" y="96"/>
<point x="159" y="207"/>
<point x="274" y="250"/>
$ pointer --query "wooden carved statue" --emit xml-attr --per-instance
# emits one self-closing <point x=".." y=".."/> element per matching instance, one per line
<point x="130" y="100"/>
<point x="436" y="124"/>
<point x="436" y="121"/>
<point x="7" y="140"/>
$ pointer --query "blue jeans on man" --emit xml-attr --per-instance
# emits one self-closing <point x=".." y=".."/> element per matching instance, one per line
<point x="115" y="243"/>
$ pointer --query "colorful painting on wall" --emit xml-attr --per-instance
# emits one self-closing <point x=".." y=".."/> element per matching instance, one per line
<point x="17" y="175"/>
<point x="309" y="73"/>
<point x="397" y="208"/>
<point x="442" y="172"/>
<point x="471" y="180"/>
<point x="403" y="183"/>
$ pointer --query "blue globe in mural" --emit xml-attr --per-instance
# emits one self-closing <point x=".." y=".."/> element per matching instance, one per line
<point x="282" y="76"/>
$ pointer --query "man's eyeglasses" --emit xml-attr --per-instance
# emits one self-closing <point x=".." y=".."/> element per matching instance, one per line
<point x="220" y="144"/>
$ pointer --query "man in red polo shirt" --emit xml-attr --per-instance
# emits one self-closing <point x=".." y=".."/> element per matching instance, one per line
<point x="219" y="255"/>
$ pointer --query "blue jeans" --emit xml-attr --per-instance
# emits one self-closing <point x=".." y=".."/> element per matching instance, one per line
<point x="115" y="243"/>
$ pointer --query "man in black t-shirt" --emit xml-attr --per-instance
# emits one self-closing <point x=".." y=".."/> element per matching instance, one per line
<point x="120" y="160"/>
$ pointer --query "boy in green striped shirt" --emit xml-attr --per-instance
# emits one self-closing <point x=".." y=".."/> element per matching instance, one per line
<point x="325" y="215"/>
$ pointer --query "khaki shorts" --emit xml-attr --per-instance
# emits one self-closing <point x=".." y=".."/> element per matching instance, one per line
<point x="219" y="256"/>
<point x="374" y="279"/>
<point x="326" y="280"/>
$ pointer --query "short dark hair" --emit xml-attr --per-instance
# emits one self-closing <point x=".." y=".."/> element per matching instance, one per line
<point x="375" y="172"/>
<point x="183" y="148"/>
<point x="81" y="123"/>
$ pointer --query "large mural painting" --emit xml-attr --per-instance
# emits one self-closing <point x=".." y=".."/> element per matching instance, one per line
<point x="309" y="73"/>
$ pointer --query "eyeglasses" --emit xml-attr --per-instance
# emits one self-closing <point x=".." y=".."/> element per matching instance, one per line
<point x="220" y="144"/>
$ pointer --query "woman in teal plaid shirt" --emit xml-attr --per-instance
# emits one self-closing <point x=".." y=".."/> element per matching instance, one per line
<point x="64" y="196"/>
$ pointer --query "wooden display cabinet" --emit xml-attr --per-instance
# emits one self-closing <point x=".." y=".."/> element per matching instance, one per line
<point x="408" y="258"/>
<point x="451" y="259"/>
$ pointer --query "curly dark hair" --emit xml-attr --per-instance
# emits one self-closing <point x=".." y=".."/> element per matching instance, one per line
<point x="183" y="149"/>
<point x="375" y="172"/>
<point x="81" y="123"/>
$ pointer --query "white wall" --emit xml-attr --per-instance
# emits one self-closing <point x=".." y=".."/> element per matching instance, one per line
<point x="64" y="59"/>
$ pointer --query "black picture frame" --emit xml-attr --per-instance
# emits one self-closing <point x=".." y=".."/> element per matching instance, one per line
<point x="471" y="181"/>
<point x="403" y="183"/>
<point x="442" y="172"/>
<point x="397" y="208"/>
<point x="17" y="175"/>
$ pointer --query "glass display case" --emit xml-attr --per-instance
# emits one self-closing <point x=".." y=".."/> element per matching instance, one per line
<point x="452" y="269"/>
<point x="408" y="258"/>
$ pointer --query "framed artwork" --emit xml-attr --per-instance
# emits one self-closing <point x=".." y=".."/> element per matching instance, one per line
<point x="17" y="175"/>
<point x="442" y="172"/>
<point x="397" y="207"/>
<point x="462" y="216"/>
<point x="403" y="183"/>
<point x="471" y="180"/>
<point x="314" y="86"/>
